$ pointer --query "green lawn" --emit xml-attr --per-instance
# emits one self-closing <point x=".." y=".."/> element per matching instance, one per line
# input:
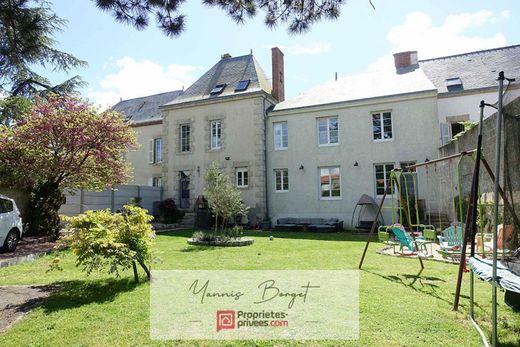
<point x="399" y="306"/>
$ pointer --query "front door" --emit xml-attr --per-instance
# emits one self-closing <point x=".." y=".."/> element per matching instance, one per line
<point x="184" y="190"/>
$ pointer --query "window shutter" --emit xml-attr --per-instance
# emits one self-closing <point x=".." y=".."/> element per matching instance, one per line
<point x="445" y="133"/>
<point x="150" y="151"/>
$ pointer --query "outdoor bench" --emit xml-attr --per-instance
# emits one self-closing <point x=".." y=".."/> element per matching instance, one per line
<point x="310" y="224"/>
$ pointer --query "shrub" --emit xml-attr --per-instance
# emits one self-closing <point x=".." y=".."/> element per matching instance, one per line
<point x="136" y="201"/>
<point x="118" y="241"/>
<point x="234" y="233"/>
<point x="168" y="211"/>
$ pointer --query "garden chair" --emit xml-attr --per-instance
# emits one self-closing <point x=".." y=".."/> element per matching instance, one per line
<point x="384" y="237"/>
<point x="451" y="239"/>
<point x="508" y="230"/>
<point x="406" y="240"/>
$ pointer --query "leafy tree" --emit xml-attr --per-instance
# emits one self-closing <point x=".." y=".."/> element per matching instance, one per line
<point x="27" y="41"/>
<point x="224" y="199"/>
<point x="299" y="14"/>
<point x="62" y="144"/>
<point x="13" y="108"/>
<point x="118" y="241"/>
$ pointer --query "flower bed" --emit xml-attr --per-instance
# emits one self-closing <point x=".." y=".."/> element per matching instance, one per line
<point x="222" y="243"/>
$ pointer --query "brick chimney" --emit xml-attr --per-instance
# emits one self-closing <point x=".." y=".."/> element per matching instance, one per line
<point x="278" y="75"/>
<point x="405" y="59"/>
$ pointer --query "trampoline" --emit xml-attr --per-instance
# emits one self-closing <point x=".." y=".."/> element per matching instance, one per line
<point x="483" y="268"/>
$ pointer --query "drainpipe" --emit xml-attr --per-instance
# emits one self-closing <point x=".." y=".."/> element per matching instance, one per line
<point x="265" y="160"/>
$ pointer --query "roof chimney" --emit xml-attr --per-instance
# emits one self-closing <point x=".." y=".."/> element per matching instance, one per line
<point x="225" y="56"/>
<point x="278" y="76"/>
<point x="405" y="59"/>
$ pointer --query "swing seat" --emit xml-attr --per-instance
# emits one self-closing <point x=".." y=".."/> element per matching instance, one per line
<point x="366" y="224"/>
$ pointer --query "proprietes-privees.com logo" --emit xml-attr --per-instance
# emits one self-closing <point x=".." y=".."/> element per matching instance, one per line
<point x="229" y="319"/>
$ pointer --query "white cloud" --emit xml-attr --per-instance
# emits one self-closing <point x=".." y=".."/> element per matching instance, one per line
<point x="141" y="78"/>
<point x="417" y="33"/>
<point x="310" y="49"/>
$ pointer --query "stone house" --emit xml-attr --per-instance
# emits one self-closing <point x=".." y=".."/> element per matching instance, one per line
<point x="315" y="154"/>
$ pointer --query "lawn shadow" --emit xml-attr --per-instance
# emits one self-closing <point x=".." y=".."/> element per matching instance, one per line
<point x="73" y="294"/>
<point x="418" y="283"/>
<point x="296" y="235"/>
<point x="195" y="249"/>
<point x="306" y="235"/>
<point x="187" y="233"/>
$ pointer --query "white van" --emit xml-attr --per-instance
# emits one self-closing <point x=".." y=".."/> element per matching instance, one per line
<point x="10" y="224"/>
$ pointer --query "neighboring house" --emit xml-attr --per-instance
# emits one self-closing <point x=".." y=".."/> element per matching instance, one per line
<point x="330" y="145"/>
<point x="145" y="117"/>
<point x="221" y="118"/>
<point x="464" y="80"/>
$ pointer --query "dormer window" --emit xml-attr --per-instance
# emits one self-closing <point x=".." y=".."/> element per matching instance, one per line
<point x="218" y="89"/>
<point x="242" y="85"/>
<point x="454" y="84"/>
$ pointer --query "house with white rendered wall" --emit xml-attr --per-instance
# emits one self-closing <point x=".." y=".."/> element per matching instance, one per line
<point x="463" y="80"/>
<point x="330" y="145"/>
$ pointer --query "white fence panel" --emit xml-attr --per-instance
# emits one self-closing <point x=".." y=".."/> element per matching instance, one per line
<point x="80" y="201"/>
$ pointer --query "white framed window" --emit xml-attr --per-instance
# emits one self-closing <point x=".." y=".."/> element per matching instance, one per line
<point x="184" y="138"/>
<point x="382" y="181"/>
<point x="281" y="180"/>
<point x="216" y="134"/>
<point x="330" y="183"/>
<point x="382" y="126"/>
<point x="328" y="131"/>
<point x="281" y="135"/>
<point x="242" y="177"/>
<point x="156" y="181"/>
<point x="155" y="151"/>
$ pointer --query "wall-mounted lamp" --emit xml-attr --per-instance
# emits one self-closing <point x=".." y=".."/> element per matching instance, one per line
<point x="356" y="164"/>
<point x="227" y="158"/>
<point x="302" y="167"/>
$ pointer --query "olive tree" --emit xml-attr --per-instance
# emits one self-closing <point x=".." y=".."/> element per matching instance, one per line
<point x="224" y="199"/>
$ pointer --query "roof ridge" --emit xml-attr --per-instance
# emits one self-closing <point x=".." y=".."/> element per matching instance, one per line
<point x="469" y="53"/>
<point x="147" y="96"/>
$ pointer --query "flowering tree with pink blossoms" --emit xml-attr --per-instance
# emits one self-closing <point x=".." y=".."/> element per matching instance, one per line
<point x="62" y="143"/>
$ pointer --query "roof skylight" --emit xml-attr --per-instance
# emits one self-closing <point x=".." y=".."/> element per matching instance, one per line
<point x="242" y="85"/>
<point x="218" y="89"/>
<point x="452" y="82"/>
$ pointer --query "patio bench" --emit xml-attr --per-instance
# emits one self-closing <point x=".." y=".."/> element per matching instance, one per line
<point x="310" y="224"/>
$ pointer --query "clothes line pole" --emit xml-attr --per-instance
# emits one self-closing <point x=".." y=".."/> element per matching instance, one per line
<point x="498" y="144"/>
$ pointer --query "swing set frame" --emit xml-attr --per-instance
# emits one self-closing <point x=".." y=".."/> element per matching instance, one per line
<point x="471" y="216"/>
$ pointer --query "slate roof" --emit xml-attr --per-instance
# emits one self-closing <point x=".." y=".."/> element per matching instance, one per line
<point x="145" y="108"/>
<point x="229" y="71"/>
<point x="361" y="86"/>
<point x="475" y="69"/>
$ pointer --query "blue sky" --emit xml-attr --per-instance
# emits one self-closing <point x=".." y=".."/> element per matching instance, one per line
<point x="126" y="63"/>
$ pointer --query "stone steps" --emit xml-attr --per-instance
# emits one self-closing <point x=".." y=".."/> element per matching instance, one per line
<point x="188" y="221"/>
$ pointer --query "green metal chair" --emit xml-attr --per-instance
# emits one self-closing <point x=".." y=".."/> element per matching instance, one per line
<point x="451" y="239"/>
<point x="384" y="237"/>
<point x="404" y="239"/>
<point x="415" y="247"/>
